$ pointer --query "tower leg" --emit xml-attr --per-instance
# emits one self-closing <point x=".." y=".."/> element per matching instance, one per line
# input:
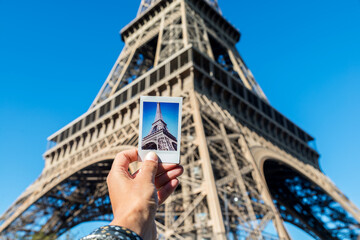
<point x="278" y="222"/>
<point x="210" y="186"/>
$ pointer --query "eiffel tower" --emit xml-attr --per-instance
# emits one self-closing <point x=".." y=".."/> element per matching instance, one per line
<point x="248" y="168"/>
<point x="159" y="137"/>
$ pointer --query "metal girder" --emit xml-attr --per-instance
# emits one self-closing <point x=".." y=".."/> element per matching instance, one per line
<point x="244" y="188"/>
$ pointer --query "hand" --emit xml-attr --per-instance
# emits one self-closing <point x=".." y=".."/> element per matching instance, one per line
<point x="135" y="198"/>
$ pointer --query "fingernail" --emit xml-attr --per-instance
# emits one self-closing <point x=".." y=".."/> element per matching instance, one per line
<point x="151" y="156"/>
<point x="178" y="183"/>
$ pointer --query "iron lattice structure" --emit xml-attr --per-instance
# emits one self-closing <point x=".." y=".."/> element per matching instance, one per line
<point x="145" y="4"/>
<point x="248" y="168"/>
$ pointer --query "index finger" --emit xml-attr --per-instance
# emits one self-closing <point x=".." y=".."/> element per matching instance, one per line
<point x="123" y="160"/>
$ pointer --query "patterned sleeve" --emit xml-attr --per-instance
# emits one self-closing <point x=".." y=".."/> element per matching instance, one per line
<point x="112" y="233"/>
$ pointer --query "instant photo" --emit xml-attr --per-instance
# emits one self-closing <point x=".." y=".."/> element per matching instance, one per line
<point x="160" y="128"/>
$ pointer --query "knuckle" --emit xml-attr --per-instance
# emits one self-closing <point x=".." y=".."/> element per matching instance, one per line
<point x="150" y="164"/>
<point x="119" y="155"/>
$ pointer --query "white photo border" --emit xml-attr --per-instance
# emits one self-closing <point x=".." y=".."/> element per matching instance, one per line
<point x="164" y="156"/>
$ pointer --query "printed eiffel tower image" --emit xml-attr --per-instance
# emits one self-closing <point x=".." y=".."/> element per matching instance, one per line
<point x="248" y="169"/>
<point x="159" y="137"/>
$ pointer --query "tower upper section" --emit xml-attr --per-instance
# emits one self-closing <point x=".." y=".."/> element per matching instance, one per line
<point x="158" y="113"/>
<point x="162" y="29"/>
<point x="145" y="4"/>
<point x="159" y="122"/>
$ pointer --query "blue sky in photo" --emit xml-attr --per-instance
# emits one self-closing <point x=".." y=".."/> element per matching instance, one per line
<point x="170" y="113"/>
<point x="55" y="56"/>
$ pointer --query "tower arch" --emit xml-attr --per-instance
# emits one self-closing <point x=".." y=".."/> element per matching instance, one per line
<point x="306" y="198"/>
<point x="84" y="181"/>
<point x="150" y="146"/>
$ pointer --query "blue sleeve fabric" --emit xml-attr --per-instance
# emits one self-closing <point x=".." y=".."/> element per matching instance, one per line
<point x="112" y="233"/>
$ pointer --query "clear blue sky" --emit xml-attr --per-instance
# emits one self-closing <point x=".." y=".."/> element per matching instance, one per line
<point x="170" y="113"/>
<point x="55" y="55"/>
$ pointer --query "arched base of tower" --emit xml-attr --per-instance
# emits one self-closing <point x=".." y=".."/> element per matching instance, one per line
<point x="306" y="205"/>
<point x="80" y="198"/>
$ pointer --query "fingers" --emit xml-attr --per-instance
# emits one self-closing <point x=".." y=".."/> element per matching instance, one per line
<point x="167" y="190"/>
<point x="149" y="168"/>
<point x="162" y="168"/>
<point x="166" y="177"/>
<point x="123" y="159"/>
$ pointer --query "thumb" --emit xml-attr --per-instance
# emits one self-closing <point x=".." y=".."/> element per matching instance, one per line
<point x="149" y="167"/>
